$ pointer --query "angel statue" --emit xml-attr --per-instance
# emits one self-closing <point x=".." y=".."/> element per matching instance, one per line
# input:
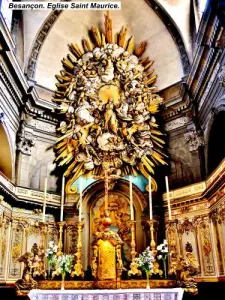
<point x="27" y="282"/>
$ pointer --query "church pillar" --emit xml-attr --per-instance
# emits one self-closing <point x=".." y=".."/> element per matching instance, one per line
<point x="25" y="143"/>
<point x="8" y="251"/>
<point x="217" y="244"/>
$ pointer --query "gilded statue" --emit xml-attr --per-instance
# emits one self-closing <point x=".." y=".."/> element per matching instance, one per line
<point x="185" y="269"/>
<point x="30" y="264"/>
<point x="106" y="260"/>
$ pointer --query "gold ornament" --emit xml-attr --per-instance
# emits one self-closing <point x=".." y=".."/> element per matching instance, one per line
<point x="107" y="101"/>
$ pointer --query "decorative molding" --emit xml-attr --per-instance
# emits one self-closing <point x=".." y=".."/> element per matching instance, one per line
<point x="209" y="85"/>
<point x="9" y="82"/>
<point x="25" y="142"/>
<point x="172" y="28"/>
<point x="216" y="174"/>
<point x="25" y="194"/>
<point x="38" y="196"/>
<point x="193" y="189"/>
<point x="40" y="125"/>
<point x="179" y="122"/>
<point x="221" y="76"/>
<point x="194" y="139"/>
<point x="38" y="43"/>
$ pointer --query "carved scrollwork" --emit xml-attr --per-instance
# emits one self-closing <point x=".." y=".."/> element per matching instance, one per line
<point x="186" y="226"/>
<point x="194" y="139"/>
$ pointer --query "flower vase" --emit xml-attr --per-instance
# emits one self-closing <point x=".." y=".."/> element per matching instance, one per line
<point x="63" y="282"/>
<point x="165" y="268"/>
<point x="147" y="279"/>
<point x="49" y="272"/>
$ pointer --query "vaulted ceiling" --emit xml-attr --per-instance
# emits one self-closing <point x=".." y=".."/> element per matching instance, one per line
<point x="164" y="24"/>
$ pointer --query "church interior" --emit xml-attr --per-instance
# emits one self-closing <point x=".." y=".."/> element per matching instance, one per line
<point x="112" y="141"/>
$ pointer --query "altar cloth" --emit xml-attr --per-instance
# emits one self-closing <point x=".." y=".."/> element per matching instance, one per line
<point x="126" y="294"/>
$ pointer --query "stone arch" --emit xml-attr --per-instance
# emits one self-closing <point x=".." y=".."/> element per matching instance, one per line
<point x="95" y="191"/>
<point x="6" y="160"/>
<point x="180" y="173"/>
<point x="174" y="31"/>
<point x="216" y="139"/>
<point x="30" y="66"/>
<point x="44" y="168"/>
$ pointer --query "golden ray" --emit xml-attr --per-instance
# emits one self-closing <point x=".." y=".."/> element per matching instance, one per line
<point x="122" y="36"/>
<point x="158" y="139"/>
<point x="103" y="40"/>
<point x="72" y="59"/>
<point x="140" y="49"/>
<point x="96" y="35"/>
<point x="108" y="28"/>
<point x="130" y="45"/>
<point x="149" y="64"/>
<point x="87" y="45"/>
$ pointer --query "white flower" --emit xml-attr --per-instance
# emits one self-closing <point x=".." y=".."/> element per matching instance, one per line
<point x="55" y="248"/>
<point x="51" y="244"/>
<point x="159" y="248"/>
<point x="159" y="257"/>
<point x="165" y="242"/>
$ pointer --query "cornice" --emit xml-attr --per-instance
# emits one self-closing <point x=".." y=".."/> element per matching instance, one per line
<point x="174" y="31"/>
<point x="22" y="91"/>
<point x="26" y="195"/>
<point x="5" y="33"/>
<point x="198" y="192"/>
<point x="38" y="43"/>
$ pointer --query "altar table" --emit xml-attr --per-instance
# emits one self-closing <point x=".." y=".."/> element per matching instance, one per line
<point x="128" y="294"/>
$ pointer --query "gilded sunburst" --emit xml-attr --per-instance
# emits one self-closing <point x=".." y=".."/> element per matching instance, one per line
<point x="107" y="99"/>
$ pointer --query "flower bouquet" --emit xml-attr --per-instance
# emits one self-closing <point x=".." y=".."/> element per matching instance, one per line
<point x="51" y="253"/>
<point x="63" y="265"/>
<point x="163" y="254"/>
<point x="145" y="262"/>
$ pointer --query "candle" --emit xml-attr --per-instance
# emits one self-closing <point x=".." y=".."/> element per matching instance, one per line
<point x="80" y="206"/>
<point x="150" y="197"/>
<point x="131" y="202"/>
<point x="45" y="198"/>
<point x="62" y="198"/>
<point x="168" y="198"/>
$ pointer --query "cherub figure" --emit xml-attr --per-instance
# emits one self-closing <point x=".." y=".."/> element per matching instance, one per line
<point x="27" y="282"/>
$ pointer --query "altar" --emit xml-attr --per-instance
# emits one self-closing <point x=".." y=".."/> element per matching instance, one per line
<point x="128" y="294"/>
<point x="108" y="144"/>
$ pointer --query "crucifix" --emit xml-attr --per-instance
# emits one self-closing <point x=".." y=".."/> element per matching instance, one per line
<point x="106" y="177"/>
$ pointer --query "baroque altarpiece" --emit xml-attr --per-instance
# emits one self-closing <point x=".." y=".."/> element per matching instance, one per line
<point x="104" y="132"/>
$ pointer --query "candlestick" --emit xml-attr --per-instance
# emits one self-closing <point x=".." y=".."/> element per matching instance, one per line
<point x="106" y="192"/>
<point x="80" y="206"/>
<point x="78" y="267"/>
<point x="60" y="243"/>
<point x="62" y="198"/>
<point x="45" y="196"/>
<point x="150" y="197"/>
<point x="133" y="266"/>
<point x="156" y="269"/>
<point x="168" y="198"/>
<point x="131" y="202"/>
